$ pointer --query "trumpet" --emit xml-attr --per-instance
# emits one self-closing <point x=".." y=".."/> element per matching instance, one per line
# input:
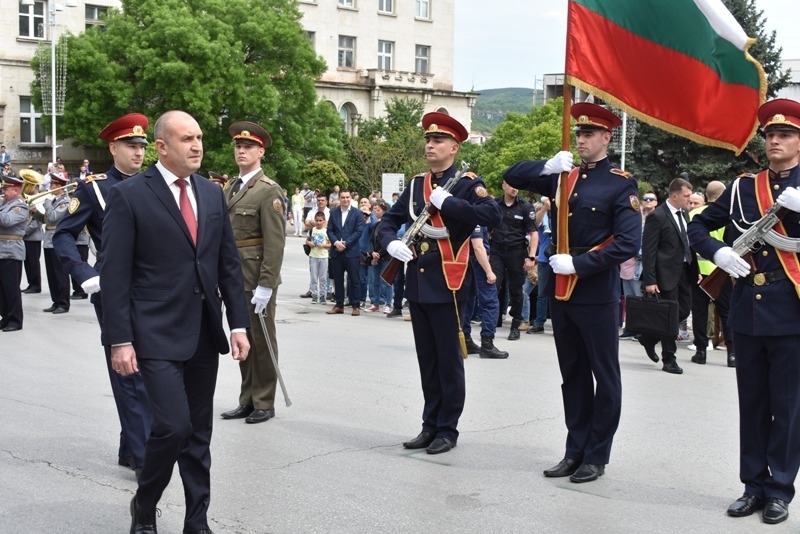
<point x="39" y="198"/>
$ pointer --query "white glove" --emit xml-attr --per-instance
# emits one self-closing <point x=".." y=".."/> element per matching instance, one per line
<point x="790" y="199"/>
<point x="261" y="297"/>
<point x="562" y="264"/>
<point x="92" y="285"/>
<point x="730" y="262"/>
<point x="561" y="162"/>
<point x="398" y="250"/>
<point x="438" y="195"/>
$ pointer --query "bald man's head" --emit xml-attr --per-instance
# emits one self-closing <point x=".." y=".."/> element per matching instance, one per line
<point x="714" y="190"/>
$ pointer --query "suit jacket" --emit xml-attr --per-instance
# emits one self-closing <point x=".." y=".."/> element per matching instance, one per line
<point x="662" y="249"/>
<point x="257" y="212"/>
<point x="155" y="282"/>
<point x="350" y="232"/>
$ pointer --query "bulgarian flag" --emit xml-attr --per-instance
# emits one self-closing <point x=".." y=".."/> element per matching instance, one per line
<point x="680" y="65"/>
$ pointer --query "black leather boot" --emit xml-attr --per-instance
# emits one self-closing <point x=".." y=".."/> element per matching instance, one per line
<point x="699" y="357"/>
<point x="472" y="347"/>
<point x="513" y="334"/>
<point x="731" y="359"/>
<point x="488" y="350"/>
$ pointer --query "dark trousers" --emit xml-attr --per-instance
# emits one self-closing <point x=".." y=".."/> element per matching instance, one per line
<point x="340" y="265"/>
<point x="133" y="407"/>
<point x="487" y="300"/>
<point x="83" y="250"/>
<point x="182" y="399"/>
<point x="768" y="380"/>
<point x="33" y="268"/>
<point x="700" y="302"/>
<point x="587" y="344"/>
<point x="441" y="366"/>
<point x="542" y="300"/>
<point x="509" y="265"/>
<point x="682" y="293"/>
<point x="57" y="279"/>
<point x="399" y="288"/>
<point x="10" y="293"/>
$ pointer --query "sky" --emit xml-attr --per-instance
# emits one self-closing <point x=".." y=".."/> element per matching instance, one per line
<point x="510" y="43"/>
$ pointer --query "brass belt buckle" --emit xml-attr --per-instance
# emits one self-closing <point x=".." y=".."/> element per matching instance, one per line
<point x="423" y="248"/>
<point x="759" y="279"/>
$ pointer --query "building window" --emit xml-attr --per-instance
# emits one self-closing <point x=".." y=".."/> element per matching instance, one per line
<point x="30" y="122"/>
<point x="347" y="51"/>
<point x="94" y="14"/>
<point x="348" y="3"/>
<point x="423" y="9"/>
<point x="385" y="49"/>
<point x="31" y="20"/>
<point x="422" y="59"/>
<point x="386" y="6"/>
<point x="312" y="38"/>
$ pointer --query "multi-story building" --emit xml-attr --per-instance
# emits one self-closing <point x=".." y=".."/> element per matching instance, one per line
<point x="377" y="50"/>
<point x="25" y="27"/>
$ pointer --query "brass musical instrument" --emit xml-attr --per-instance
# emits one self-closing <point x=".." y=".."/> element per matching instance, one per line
<point x="31" y="180"/>
<point x="39" y="198"/>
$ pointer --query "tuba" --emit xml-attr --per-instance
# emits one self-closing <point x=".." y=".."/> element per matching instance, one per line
<point x="31" y="180"/>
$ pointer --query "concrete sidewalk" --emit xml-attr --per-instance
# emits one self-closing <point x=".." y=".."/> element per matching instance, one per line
<point x="333" y="463"/>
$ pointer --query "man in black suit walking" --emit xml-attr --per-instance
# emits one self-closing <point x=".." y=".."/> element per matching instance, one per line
<point x="170" y="260"/>
<point x="668" y="266"/>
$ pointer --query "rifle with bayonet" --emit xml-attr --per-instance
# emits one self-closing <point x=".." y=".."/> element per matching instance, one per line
<point x="744" y="246"/>
<point x="413" y="233"/>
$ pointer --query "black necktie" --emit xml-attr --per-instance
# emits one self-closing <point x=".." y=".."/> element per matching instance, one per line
<point x="687" y="254"/>
<point x="237" y="185"/>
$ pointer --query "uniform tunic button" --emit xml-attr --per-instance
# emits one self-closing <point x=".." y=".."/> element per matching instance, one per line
<point x="776" y="187"/>
<point x="593" y="209"/>
<point x="422" y="270"/>
<point x="584" y="176"/>
<point x="570" y="215"/>
<point x="574" y="195"/>
<point x="197" y="290"/>
<point x="758" y="297"/>
<point x="765" y="253"/>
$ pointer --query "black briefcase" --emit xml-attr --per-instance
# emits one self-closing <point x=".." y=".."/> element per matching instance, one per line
<point x="651" y="315"/>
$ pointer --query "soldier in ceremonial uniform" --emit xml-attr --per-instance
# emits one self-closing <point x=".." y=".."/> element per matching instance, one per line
<point x="13" y="221"/>
<point x="437" y="285"/>
<point x="256" y="208"/>
<point x="34" y="234"/>
<point x="603" y="229"/>
<point x="126" y="139"/>
<point x="764" y="314"/>
<point x="57" y="278"/>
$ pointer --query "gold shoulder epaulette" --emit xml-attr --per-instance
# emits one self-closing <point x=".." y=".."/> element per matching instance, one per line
<point x="470" y="175"/>
<point x="267" y="180"/>
<point x="746" y="175"/>
<point x="94" y="177"/>
<point x="620" y="172"/>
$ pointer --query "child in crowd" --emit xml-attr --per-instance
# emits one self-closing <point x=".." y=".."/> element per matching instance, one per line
<point x="318" y="258"/>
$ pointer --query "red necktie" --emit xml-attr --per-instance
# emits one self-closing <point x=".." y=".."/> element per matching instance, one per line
<point x="186" y="210"/>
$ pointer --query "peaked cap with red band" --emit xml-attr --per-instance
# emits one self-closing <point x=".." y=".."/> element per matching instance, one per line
<point x="780" y="114"/>
<point x="439" y="124"/>
<point x="593" y="117"/>
<point x="250" y="133"/>
<point x="131" y="127"/>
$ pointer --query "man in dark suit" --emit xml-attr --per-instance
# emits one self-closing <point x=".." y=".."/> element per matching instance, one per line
<point x="126" y="138"/>
<point x="669" y="267"/>
<point x="344" y="230"/>
<point x="170" y="261"/>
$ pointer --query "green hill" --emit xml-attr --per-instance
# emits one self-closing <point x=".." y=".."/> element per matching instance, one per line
<point x="493" y="104"/>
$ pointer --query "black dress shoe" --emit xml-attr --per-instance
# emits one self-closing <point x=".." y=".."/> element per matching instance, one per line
<point x="731" y="360"/>
<point x="259" y="416"/>
<point x="699" y="357"/>
<point x="240" y="412"/>
<point x="60" y="310"/>
<point x="204" y="531"/>
<point x="50" y="309"/>
<point x="440" y="445"/>
<point x="127" y="461"/>
<point x="306" y="295"/>
<point x="420" y="442"/>
<point x="775" y="511"/>
<point x="12" y="328"/>
<point x="142" y="523"/>
<point x="587" y="473"/>
<point x="651" y="351"/>
<point x="395" y="313"/>
<point x="564" y="468"/>
<point x="745" y="505"/>
<point x="79" y="295"/>
<point x="29" y="290"/>
<point x="672" y="367"/>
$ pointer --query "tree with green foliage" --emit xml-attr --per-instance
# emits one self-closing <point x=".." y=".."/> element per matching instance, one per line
<point x="392" y="144"/>
<point x="535" y="135"/>
<point x="659" y="157"/>
<point x="222" y="61"/>
<point x="323" y="175"/>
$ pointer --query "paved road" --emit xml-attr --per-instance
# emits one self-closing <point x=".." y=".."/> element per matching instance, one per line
<point x="332" y="463"/>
